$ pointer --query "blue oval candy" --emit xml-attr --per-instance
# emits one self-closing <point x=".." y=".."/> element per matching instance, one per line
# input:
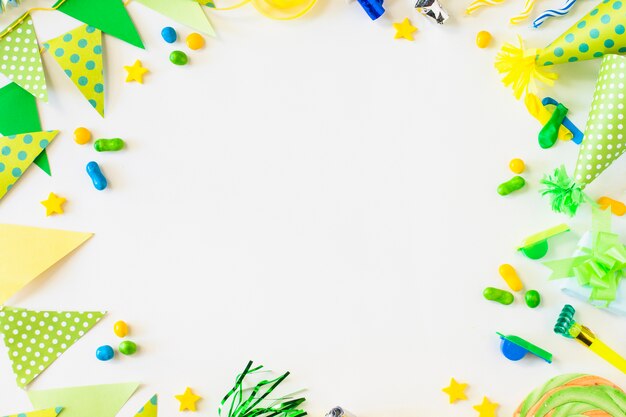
<point x="168" y="34"/>
<point x="105" y="353"/>
<point x="97" y="177"/>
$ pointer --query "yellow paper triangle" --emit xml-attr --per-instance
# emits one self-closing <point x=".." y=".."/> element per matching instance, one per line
<point x="26" y="252"/>
<point x="50" y="412"/>
<point x="79" y="53"/>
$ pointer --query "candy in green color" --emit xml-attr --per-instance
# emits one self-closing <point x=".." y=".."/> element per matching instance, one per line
<point x="127" y="347"/>
<point x="178" y="58"/>
<point x="498" y="295"/>
<point x="550" y="131"/>
<point x="533" y="299"/>
<point x="511" y="185"/>
<point x="108" y="145"/>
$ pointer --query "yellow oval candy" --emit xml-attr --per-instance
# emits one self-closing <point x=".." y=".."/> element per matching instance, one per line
<point x="509" y="274"/>
<point x="195" y="41"/>
<point x="517" y="165"/>
<point x="483" y="39"/>
<point x="120" y="329"/>
<point x="82" y="135"/>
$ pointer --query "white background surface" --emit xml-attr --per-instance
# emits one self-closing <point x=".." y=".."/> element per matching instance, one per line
<point x="318" y="197"/>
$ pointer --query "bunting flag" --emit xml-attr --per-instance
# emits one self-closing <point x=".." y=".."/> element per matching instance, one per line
<point x="17" y="152"/>
<point x="110" y="16"/>
<point x="79" y="53"/>
<point x="186" y="12"/>
<point x="20" y="101"/>
<point x="26" y="252"/>
<point x="21" y="61"/>
<point x="150" y="409"/>
<point x="35" y="339"/>
<point x="50" y="412"/>
<point x="92" y="401"/>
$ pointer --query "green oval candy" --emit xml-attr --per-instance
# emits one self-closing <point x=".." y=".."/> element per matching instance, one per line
<point x="108" y="145"/>
<point x="511" y="185"/>
<point x="533" y="299"/>
<point x="498" y="295"/>
<point x="128" y="347"/>
<point x="178" y="58"/>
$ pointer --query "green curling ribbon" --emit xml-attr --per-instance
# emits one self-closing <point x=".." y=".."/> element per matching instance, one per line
<point x="254" y="402"/>
<point x="550" y="131"/>
<point x="600" y="267"/>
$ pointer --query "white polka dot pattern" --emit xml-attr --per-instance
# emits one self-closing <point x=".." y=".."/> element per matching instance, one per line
<point x="20" y="59"/>
<point x="605" y="134"/>
<point x="35" y="339"/>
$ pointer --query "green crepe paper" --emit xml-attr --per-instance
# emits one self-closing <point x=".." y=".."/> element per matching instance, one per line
<point x="600" y="267"/>
<point x="86" y="401"/>
<point x="21" y="61"/>
<point x="254" y="402"/>
<point x="599" y="32"/>
<point x="12" y="96"/>
<point x="565" y="194"/>
<point x="605" y="136"/>
<point x="186" y="12"/>
<point x="35" y="339"/>
<point x="110" y="16"/>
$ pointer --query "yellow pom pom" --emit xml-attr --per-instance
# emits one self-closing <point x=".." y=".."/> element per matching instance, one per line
<point x="520" y="69"/>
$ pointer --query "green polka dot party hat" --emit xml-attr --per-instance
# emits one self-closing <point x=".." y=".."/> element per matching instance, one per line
<point x="600" y="32"/>
<point x="604" y="142"/>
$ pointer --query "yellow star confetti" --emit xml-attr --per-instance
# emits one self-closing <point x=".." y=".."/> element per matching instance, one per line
<point x="455" y="391"/>
<point x="135" y="72"/>
<point x="188" y="400"/>
<point x="54" y="204"/>
<point x="404" y="29"/>
<point x="486" y="409"/>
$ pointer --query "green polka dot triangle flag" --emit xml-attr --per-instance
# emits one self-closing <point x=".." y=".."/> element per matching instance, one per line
<point x="35" y="339"/>
<point x="50" y="412"/>
<point x="17" y="153"/>
<point x="150" y="409"/>
<point x="21" y="61"/>
<point x="605" y="136"/>
<point x="79" y="53"/>
<point x="601" y="31"/>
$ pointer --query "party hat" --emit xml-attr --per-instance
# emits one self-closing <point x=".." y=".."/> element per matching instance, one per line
<point x="605" y="138"/>
<point x="600" y="32"/>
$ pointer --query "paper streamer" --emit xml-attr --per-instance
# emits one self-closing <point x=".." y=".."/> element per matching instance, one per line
<point x="35" y="339"/>
<point x="553" y="13"/>
<point x="21" y="60"/>
<point x="529" y="5"/>
<point x="79" y="53"/>
<point x="478" y="4"/>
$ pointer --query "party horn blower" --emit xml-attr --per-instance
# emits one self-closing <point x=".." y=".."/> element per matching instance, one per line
<point x="604" y="141"/>
<point x="567" y="326"/>
<point x="600" y="32"/>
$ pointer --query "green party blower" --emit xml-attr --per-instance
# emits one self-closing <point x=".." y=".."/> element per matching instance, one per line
<point x="566" y="326"/>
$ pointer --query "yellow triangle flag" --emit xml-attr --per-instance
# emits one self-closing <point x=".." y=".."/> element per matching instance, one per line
<point x="26" y="252"/>
<point x="50" y="412"/>
<point x="79" y="53"/>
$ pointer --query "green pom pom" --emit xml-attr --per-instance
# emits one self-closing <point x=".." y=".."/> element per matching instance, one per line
<point x="565" y="195"/>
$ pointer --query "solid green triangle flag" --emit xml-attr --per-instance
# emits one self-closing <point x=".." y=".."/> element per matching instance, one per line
<point x="35" y="339"/>
<point x="86" y="401"/>
<point x="22" y="104"/>
<point x="186" y="12"/>
<point x="79" y="53"/>
<point x="110" y="16"/>
<point x="21" y="60"/>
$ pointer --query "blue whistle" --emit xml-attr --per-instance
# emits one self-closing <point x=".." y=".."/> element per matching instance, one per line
<point x="373" y="8"/>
